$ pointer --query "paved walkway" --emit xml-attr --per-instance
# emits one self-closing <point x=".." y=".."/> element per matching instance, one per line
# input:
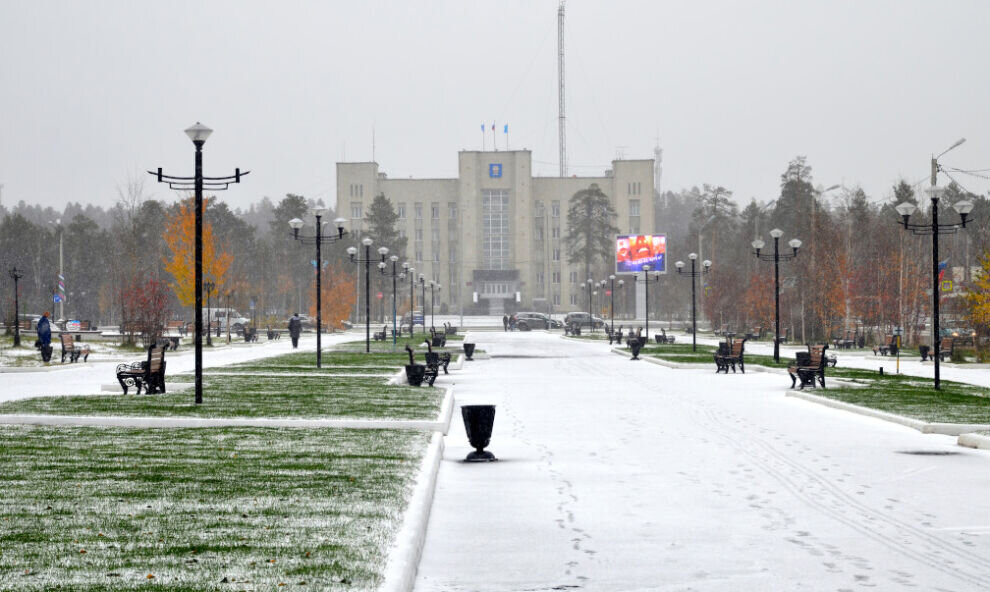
<point x="622" y="475"/>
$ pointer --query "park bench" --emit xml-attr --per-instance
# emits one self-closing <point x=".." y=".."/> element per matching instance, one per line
<point x="449" y="329"/>
<point x="438" y="339"/>
<point x="379" y="335"/>
<point x="439" y="359"/>
<point x="572" y="329"/>
<point x="889" y="346"/>
<point x="85" y="325"/>
<point x="177" y="326"/>
<point x="24" y="325"/>
<point x="847" y="341"/>
<point x="809" y="366"/>
<point x="730" y="353"/>
<point x="147" y="374"/>
<point x="70" y="349"/>
<point x="945" y="347"/>
<point x="273" y="334"/>
<point x="755" y="333"/>
<point x="250" y="334"/>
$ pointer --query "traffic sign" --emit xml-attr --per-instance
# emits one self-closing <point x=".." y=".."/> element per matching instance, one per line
<point x="946" y="285"/>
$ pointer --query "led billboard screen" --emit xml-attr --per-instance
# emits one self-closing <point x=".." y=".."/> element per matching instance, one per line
<point x="633" y="251"/>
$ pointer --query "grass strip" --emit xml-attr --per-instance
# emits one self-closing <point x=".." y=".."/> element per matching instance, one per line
<point x="96" y="509"/>
<point x="256" y="396"/>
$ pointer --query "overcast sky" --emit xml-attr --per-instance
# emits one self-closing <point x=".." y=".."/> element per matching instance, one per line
<point x="93" y="93"/>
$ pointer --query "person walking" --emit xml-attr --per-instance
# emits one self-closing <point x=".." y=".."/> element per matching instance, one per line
<point x="295" y="328"/>
<point x="505" y="323"/>
<point x="45" y="337"/>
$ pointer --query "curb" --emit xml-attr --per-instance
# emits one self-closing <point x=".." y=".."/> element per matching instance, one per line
<point x="946" y="429"/>
<point x="439" y="424"/>
<point x="974" y="441"/>
<point x="403" y="560"/>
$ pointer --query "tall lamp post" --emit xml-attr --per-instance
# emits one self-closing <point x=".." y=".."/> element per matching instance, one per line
<point x="933" y="228"/>
<point x="706" y="266"/>
<point x="646" y="281"/>
<point x="198" y="134"/>
<point x="16" y="275"/>
<point x="367" y="260"/>
<point x="318" y="238"/>
<point x="777" y="257"/>
<point x="422" y="284"/>
<point x="411" y="274"/>
<point x="433" y="304"/>
<point x="382" y="266"/>
<point x="60" y="294"/>
<point x="611" y="292"/>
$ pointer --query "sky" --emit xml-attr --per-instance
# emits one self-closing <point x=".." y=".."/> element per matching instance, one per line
<point x="92" y="94"/>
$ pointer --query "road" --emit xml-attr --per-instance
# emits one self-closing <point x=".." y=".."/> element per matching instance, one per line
<point x="623" y="475"/>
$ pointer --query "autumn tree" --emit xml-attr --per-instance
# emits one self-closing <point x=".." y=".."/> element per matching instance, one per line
<point x="180" y="237"/>
<point x="146" y="310"/>
<point x="337" y="294"/>
<point x="978" y="302"/>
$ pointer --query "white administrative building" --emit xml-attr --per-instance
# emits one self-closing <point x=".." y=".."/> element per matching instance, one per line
<point x="496" y="230"/>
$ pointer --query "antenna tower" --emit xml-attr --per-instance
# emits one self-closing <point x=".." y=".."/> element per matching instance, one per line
<point x="658" y="169"/>
<point x="561" y="118"/>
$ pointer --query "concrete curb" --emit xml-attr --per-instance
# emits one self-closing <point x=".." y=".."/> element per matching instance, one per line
<point x="974" y="441"/>
<point x="172" y="387"/>
<point x="403" y="560"/>
<point x="946" y="429"/>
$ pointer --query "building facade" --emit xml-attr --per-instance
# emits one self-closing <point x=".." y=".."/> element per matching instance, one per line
<point x="493" y="238"/>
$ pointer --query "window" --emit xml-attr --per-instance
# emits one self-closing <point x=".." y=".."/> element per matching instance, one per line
<point x="556" y="299"/>
<point x="556" y="254"/>
<point x="556" y="231"/>
<point x="539" y="277"/>
<point x="573" y="298"/>
<point x="452" y="210"/>
<point x="357" y="190"/>
<point x="419" y="255"/>
<point x="539" y="233"/>
<point x="556" y="277"/>
<point x="495" y="228"/>
<point x="357" y="210"/>
<point x="402" y="233"/>
<point x="435" y="211"/>
<point x="555" y="209"/>
<point x="435" y="235"/>
<point x="401" y="209"/>
<point x="634" y="216"/>
<point x="634" y="207"/>
<point x="419" y="234"/>
<point x="573" y="277"/>
<point x="419" y="210"/>
<point x="436" y="257"/>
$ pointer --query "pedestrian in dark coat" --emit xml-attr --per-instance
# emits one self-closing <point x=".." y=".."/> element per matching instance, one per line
<point x="295" y="328"/>
<point x="505" y="322"/>
<point x="45" y="337"/>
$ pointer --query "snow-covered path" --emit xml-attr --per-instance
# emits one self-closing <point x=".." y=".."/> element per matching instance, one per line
<point x="622" y="475"/>
<point x="86" y="378"/>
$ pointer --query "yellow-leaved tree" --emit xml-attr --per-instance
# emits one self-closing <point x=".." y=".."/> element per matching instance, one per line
<point x="180" y="237"/>
<point x="978" y="299"/>
<point x="337" y="297"/>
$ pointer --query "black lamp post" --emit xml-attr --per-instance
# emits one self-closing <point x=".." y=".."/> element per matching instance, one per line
<point x="433" y="304"/>
<point x="317" y="238"/>
<point x="367" y="260"/>
<point x="591" y="313"/>
<point x="611" y="305"/>
<point x="209" y="287"/>
<point x="706" y="266"/>
<point x="777" y="257"/>
<point x="646" y="280"/>
<point x="198" y="134"/>
<point x="422" y="284"/>
<point x="400" y="275"/>
<point x="16" y="275"/>
<point x="411" y="274"/>
<point x="963" y="208"/>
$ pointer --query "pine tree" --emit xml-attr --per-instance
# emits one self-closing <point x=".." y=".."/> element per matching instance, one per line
<point x="381" y="219"/>
<point x="590" y="228"/>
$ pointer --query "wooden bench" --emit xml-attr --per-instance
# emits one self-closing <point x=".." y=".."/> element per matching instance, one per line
<point x="945" y="347"/>
<point x="177" y="326"/>
<point x="379" y="335"/>
<point x="809" y="366"/>
<point x="439" y="359"/>
<point x="148" y="374"/>
<point x="70" y="349"/>
<point x="731" y="355"/>
<point x="847" y="341"/>
<point x="755" y="333"/>
<point x="889" y="346"/>
<point x="273" y="334"/>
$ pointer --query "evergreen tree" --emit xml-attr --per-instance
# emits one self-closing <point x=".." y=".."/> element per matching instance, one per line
<point x="591" y="228"/>
<point x="381" y="219"/>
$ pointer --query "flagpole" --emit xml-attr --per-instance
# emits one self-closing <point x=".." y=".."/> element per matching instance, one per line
<point x="482" y="137"/>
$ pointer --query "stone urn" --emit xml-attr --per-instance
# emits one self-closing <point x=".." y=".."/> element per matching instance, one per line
<point x="469" y="351"/>
<point x="415" y="373"/>
<point x="478" y="423"/>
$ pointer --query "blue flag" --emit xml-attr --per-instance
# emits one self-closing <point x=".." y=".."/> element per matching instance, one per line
<point x="506" y="128"/>
<point x="482" y="127"/>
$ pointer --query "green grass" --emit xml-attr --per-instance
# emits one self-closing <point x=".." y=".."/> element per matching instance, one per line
<point x="256" y="396"/>
<point x="201" y="509"/>
<point x="914" y="397"/>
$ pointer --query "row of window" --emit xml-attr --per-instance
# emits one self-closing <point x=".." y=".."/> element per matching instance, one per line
<point x="400" y="209"/>
<point x="357" y="190"/>
<point x="634" y="188"/>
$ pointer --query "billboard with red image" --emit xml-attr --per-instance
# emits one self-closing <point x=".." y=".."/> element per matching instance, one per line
<point x="633" y="251"/>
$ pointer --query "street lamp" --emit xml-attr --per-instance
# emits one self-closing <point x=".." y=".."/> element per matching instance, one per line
<point x="422" y="284"/>
<point x="611" y="292"/>
<point x="591" y="314"/>
<point x="394" y="275"/>
<point x="198" y="134"/>
<point x="777" y="257"/>
<point x="367" y="260"/>
<point x="646" y="281"/>
<point x="16" y="275"/>
<point x="317" y="238"/>
<point x="60" y="294"/>
<point x="411" y="274"/>
<point x="433" y="304"/>
<point x="706" y="266"/>
<point x="209" y="287"/>
<point x="963" y="208"/>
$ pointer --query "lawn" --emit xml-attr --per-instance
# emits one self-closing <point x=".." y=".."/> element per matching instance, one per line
<point x="256" y="396"/>
<point x="93" y="509"/>
<point x="915" y="397"/>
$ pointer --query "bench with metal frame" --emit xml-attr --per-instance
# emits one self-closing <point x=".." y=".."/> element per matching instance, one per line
<point x="71" y="349"/>
<point x="731" y="355"/>
<point x="147" y="374"/>
<point x="809" y="366"/>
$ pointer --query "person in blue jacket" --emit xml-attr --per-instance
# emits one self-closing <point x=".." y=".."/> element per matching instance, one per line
<point x="45" y="337"/>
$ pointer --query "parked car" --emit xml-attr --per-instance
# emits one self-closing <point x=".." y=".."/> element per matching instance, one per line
<point x="583" y="319"/>
<point x="527" y="321"/>
<point x="418" y="318"/>
<point x="236" y="321"/>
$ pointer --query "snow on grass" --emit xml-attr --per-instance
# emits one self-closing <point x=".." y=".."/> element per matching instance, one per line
<point x="914" y="397"/>
<point x="255" y="396"/>
<point x="88" y="509"/>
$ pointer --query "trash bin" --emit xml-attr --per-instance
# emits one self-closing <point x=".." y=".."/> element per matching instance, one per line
<point x="415" y="373"/>
<point x="924" y="349"/>
<point x="478" y="423"/>
<point x="635" y="345"/>
<point x="469" y="351"/>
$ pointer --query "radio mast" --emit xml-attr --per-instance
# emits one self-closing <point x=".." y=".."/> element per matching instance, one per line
<point x="561" y="118"/>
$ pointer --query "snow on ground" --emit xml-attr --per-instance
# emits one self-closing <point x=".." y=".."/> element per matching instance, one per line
<point x="623" y="475"/>
<point x="85" y="378"/>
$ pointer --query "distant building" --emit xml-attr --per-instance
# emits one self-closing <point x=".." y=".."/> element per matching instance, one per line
<point x="496" y="230"/>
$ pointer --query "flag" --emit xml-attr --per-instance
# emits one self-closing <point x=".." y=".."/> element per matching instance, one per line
<point x="941" y="269"/>
<point x="506" y="130"/>
<point x="493" y="126"/>
<point x="482" y="128"/>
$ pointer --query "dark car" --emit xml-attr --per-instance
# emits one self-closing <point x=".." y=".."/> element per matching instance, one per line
<point x="583" y="319"/>
<point x="527" y="321"/>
